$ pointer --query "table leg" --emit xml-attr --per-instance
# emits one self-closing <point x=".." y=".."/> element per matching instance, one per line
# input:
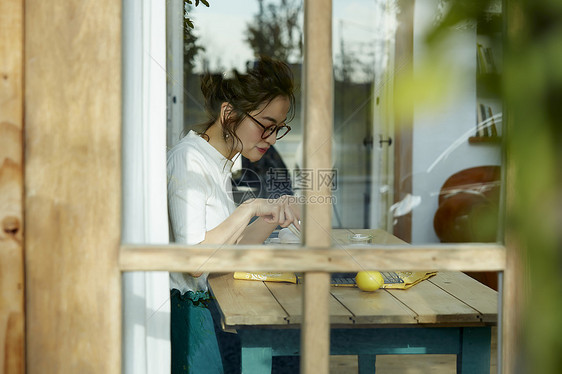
<point x="474" y="356"/>
<point x="256" y="360"/>
<point x="366" y="364"/>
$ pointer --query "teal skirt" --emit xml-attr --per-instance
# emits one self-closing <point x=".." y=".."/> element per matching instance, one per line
<point x="200" y="346"/>
<point x="192" y="335"/>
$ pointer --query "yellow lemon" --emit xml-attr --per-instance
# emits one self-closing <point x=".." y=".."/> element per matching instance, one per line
<point x="369" y="280"/>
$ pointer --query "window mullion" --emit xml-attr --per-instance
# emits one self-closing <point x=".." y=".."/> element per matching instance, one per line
<point x="467" y="257"/>
<point x="318" y="124"/>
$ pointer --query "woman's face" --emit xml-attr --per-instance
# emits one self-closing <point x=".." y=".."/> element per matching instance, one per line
<point x="250" y="133"/>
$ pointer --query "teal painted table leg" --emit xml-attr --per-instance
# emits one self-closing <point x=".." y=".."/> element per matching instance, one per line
<point x="256" y="360"/>
<point x="366" y="364"/>
<point x="474" y="356"/>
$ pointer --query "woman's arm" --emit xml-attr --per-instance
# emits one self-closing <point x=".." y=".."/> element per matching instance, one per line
<point x="229" y="230"/>
<point x="257" y="232"/>
<point x="235" y="228"/>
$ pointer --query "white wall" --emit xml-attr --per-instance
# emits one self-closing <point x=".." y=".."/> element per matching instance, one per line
<point x="440" y="145"/>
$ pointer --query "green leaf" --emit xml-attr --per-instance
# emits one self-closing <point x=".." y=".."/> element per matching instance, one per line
<point x="205" y="2"/>
<point x="189" y="23"/>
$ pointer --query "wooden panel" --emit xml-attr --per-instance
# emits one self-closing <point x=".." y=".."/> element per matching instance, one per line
<point x="432" y="305"/>
<point x="341" y="258"/>
<point x="315" y="337"/>
<point x="246" y="302"/>
<point x="374" y="307"/>
<point x="12" y="347"/>
<point x="318" y="120"/>
<point x="403" y="116"/>
<point x="514" y="283"/>
<point x="317" y="139"/>
<point x="290" y="297"/>
<point x="470" y="291"/>
<point x="73" y="191"/>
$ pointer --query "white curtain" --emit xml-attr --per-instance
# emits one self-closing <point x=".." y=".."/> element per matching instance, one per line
<point x="146" y="306"/>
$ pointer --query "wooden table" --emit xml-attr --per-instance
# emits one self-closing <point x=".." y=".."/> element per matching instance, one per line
<point x="449" y="313"/>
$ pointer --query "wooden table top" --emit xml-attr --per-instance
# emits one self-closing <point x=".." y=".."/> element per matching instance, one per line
<point x="448" y="298"/>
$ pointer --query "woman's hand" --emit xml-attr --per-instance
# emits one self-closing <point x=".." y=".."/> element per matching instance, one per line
<point x="276" y="211"/>
<point x="296" y="208"/>
<point x="283" y="212"/>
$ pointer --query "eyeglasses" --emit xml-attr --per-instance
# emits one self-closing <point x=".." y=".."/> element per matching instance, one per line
<point x="279" y="130"/>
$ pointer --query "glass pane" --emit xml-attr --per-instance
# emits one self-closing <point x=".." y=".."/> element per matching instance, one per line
<point x="227" y="39"/>
<point x="417" y="155"/>
<point x="418" y="124"/>
<point x="249" y="308"/>
<point x="400" y="130"/>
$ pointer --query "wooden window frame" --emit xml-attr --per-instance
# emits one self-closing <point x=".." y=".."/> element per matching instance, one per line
<point x="72" y="198"/>
<point x="12" y="297"/>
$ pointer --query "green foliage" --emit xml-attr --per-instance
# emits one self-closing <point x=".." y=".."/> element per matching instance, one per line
<point x="460" y="12"/>
<point x="188" y="22"/>
<point x="531" y="88"/>
<point x="276" y="31"/>
<point x="191" y="47"/>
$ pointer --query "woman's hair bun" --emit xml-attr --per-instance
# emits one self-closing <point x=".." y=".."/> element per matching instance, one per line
<point x="263" y="82"/>
<point x="211" y="88"/>
<point x="267" y="79"/>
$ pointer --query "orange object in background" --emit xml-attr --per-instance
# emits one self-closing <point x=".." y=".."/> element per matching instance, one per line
<point x="468" y="211"/>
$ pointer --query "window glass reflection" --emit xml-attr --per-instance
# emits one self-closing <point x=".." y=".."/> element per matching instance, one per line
<point x="417" y="125"/>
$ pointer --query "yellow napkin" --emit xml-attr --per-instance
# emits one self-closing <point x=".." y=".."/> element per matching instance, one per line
<point x="410" y="279"/>
<point x="267" y="277"/>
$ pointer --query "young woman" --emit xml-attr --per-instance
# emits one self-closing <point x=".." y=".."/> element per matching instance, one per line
<point x="247" y="116"/>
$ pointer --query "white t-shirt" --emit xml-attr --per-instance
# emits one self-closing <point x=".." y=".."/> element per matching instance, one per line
<point x="199" y="198"/>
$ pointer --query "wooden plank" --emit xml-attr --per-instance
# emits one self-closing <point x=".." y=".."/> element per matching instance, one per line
<point x="378" y="307"/>
<point x="315" y="336"/>
<point x="290" y="297"/>
<point x="403" y="117"/>
<point x="12" y="311"/>
<point x="432" y="305"/>
<point x="471" y="292"/>
<point x="514" y="296"/>
<point x="515" y="285"/>
<point x="246" y="303"/>
<point x="318" y="117"/>
<point x="73" y="190"/>
<point x="317" y="159"/>
<point x="478" y="257"/>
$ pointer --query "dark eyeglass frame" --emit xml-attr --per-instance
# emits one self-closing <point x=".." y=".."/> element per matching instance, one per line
<point x="274" y="129"/>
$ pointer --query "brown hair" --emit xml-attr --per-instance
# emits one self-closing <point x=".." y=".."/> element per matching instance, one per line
<point x="267" y="80"/>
